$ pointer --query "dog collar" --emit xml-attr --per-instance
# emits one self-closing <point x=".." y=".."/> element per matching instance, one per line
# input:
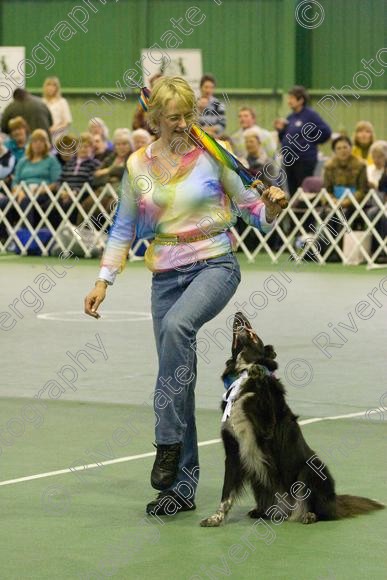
<point x="232" y="393"/>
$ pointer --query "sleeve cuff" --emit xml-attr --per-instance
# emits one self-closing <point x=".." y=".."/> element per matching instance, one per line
<point x="265" y="225"/>
<point x="107" y="275"/>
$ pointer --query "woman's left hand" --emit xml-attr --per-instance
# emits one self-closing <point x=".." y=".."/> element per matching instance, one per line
<point x="272" y="197"/>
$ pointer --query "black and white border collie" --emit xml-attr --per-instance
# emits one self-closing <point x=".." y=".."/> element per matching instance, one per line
<point x="265" y="447"/>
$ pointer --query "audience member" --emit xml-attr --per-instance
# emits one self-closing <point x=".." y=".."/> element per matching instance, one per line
<point x="58" y="105"/>
<point x="7" y="162"/>
<point x="212" y="116"/>
<point x="32" y="109"/>
<point x="303" y="150"/>
<point x="381" y="223"/>
<point x="100" y="148"/>
<point x="378" y="152"/>
<point x="17" y="143"/>
<point x="112" y="169"/>
<point x="97" y="126"/>
<point x="38" y="170"/>
<point x="140" y="138"/>
<point x="363" y="138"/>
<point x="80" y="168"/>
<point x="66" y="147"/>
<point x="247" y="120"/>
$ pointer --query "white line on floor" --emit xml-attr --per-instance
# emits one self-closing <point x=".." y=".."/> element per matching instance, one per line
<point x="143" y="455"/>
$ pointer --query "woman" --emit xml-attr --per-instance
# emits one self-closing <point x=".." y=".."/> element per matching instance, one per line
<point x="39" y="170"/>
<point x="378" y="152"/>
<point x="112" y="169"/>
<point x="17" y="143"/>
<point x="195" y="273"/>
<point x="97" y="126"/>
<point x="58" y="106"/>
<point x="362" y="140"/>
<point x="140" y="138"/>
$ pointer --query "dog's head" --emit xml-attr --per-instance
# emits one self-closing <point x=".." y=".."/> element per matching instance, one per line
<point x="248" y="349"/>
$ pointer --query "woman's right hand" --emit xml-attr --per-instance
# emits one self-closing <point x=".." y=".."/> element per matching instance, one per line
<point x="94" y="298"/>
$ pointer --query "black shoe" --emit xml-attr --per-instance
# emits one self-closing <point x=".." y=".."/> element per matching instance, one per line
<point x="166" y="466"/>
<point x="169" y="503"/>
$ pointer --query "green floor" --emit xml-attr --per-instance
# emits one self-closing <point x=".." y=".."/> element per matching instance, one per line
<point x="91" y="524"/>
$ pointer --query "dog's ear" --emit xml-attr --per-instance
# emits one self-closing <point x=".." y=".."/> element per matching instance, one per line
<point x="270" y="352"/>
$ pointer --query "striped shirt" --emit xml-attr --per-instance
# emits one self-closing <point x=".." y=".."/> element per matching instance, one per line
<point x="202" y="198"/>
<point x="76" y="172"/>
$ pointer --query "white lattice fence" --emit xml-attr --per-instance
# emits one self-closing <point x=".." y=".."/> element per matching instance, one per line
<point x="307" y="218"/>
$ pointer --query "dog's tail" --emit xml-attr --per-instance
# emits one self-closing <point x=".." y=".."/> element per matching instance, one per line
<point x="348" y="506"/>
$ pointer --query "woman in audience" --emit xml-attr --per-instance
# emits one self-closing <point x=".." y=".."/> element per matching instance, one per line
<point x="381" y="222"/>
<point x="38" y="170"/>
<point x="58" y="106"/>
<point x="17" y="143"/>
<point x="100" y="148"/>
<point x="212" y="115"/>
<point x="77" y="172"/>
<point x="362" y="140"/>
<point x="112" y="169"/>
<point x="66" y="148"/>
<point x="97" y="126"/>
<point x="141" y="138"/>
<point x="7" y="162"/>
<point x="344" y="171"/>
<point x="378" y="153"/>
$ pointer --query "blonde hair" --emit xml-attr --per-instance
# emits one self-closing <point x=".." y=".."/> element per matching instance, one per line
<point x="164" y="90"/>
<point x="86" y="139"/>
<point x="38" y="135"/>
<point x="98" y="121"/>
<point x="52" y="81"/>
<point x="252" y="133"/>
<point x="363" y="125"/>
<point x="17" y="123"/>
<point x="379" y="147"/>
<point x="121" y="135"/>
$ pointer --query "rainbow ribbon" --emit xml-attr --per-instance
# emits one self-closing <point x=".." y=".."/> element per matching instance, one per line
<point x="213" y="147"/>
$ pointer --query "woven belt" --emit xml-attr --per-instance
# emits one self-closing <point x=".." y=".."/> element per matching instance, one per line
<point x="170" y="240"/>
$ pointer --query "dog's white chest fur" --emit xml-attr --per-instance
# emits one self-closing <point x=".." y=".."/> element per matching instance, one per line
<point x="252" y="457"/>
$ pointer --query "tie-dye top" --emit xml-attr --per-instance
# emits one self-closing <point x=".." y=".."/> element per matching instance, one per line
<point x="201" y="199"/>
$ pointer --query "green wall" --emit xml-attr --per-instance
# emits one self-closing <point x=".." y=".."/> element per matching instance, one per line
<point x="256" y="48"/>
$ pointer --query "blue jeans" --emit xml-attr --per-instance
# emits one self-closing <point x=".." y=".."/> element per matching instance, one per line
<point x="182" y="301"/>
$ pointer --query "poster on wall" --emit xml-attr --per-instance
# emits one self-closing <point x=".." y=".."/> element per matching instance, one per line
<point x="11" y="72"/>
<point x="186" y="63"/>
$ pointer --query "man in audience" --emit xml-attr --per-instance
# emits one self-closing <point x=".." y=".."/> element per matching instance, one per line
<point x="100" y="147"/>
<point x="32" y="109"/>
<point x="212" y="115"/>
<point x="18" y="132"/>
<point x="291" y="136"/>
<point x="247" y="120"/>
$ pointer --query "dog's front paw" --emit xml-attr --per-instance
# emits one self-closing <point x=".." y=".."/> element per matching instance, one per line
<point x="256" y="514"/>
<point x="212" y="522"/>
<point x="309" y="518"/>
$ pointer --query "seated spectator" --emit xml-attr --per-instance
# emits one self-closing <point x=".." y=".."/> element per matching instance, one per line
<point x="345" y="171"/>
<point x="38" y="169"/>
<point x="80" y="168"/>
<point x="66" y="148"/>
<point x="7" y="162"/>
<point x="112" y="169"/>
<point x="32" y="109"/>
<point x="378" y="152"/>
<point x="301" y="152"/>
<point x="212" y="116"/>
<point x="247" y="120"/>
<point x="97" y="126"/>
<point x="17" y="143"/>
<point x="140" y="138"/>
<point x="381" y="223"/>
<point x="362" y="140"/>
<point x="58" y="105"/>
<point x="100" y="148"/>
<point x="256" y="156"/>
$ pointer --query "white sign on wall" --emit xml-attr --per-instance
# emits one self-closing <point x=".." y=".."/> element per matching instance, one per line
<point x="186" y="63"/>
<point x="11" y="72"/>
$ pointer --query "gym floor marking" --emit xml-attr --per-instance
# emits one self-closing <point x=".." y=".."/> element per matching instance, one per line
<point x="151" y="454"/>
